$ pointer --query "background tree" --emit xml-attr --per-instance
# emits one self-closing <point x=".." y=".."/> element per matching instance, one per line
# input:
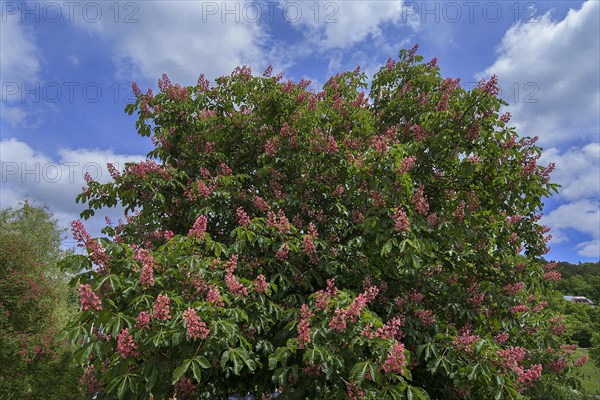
<point x="332" y="244"/>
<point x="34" y="306"/>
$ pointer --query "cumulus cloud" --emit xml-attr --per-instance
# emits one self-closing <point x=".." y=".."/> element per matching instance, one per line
<point x="582" y="216"/>
<point x="19" y="63"/>
<point x="341" y="24"/>
<point x="55" y="182"/>
<point x="535" y="66"/>
<point x="577" y="171"/>
<point x="182" y="38"/>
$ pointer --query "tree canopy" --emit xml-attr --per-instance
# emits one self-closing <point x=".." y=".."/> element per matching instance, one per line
<point x="345" y="243"/>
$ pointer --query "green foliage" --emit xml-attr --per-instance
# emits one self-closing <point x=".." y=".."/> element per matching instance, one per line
<point x="580" y="280"/>
<point x="34" y="363"/>
<point x="322" y="244"/>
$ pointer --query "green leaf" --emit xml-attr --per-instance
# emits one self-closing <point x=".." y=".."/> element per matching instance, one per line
<point x="180" y="371"/>
<point x="202" y="362"/>
<point x="196" y="371"/>
<point x="122" y="388"/>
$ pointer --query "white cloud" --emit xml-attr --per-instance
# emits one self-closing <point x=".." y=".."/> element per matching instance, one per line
<point x="182" y="39"/>
<point x="56" y="183"/>
<point x="341" y="24"/>
<point x="577" y="171"/>
<point x="582" y="216"/>
<point x="19" y="65"/>
<point x="556" y="64"/>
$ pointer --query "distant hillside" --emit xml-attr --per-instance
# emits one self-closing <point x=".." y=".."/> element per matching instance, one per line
<point x="581" y="279"/>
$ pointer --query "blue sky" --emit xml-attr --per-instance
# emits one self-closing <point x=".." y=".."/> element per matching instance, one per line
<point x="66" y="69"/>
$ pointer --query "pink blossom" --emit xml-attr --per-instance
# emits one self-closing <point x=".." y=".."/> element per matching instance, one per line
<point x="260" y="203"/>
<point x="148" y="265"/>
<point x="401" y="220"/>
<point x="282" y="253"/>
<point x="234" y="285"/>
<point x="581" y="360"/>
<point x="196" y="328"/>
<point x="213" y="296"/>
<point x="390" y="64"/>
<point x="426" y="316"/>
<point x="391" y="329"/>
<point x="395" y="360"/>
<point x="199" y="228"/>
<point x="88" y="299"/>
<point x="520" y="308"/>
<point x="502" y="337"/>
<point x="143" y="320"/>
<point x="552" y="276"/>
<point x="505" y="117"/>
<point x="322" y="297"/>
<point x="420" y="202"/>
<point x="308" y="245"/>
<point x="528" y="376"/>
<point x="304" y="326"/>
<point x="464" y="341"/>
<point x="459" y="214"/>
<point x="126" y="345"/>
<point x="242" y="217"/>
<point x="161" y="308"/>
<point x="260" y="284"/>
<point x="185" y="387"/>
<point x="406" y="164"/>
<point x="271" y="146"/>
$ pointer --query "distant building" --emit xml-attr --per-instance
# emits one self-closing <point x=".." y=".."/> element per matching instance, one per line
<point x="579" y="299"/>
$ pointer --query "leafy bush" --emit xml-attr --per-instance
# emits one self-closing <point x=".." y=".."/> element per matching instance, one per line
<point x="333" y="245"/>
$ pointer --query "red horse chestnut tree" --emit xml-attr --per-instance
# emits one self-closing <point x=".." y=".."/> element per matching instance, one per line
<point x="333" y="244"/>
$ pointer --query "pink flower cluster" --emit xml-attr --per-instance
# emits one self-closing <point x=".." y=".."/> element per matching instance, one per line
<point x="401" y="220"/>
<point x="426" y="316"/>
<point x="308" y="245"/>
<point x="420" y="202"/>
<point x="260" y="284"/>
<point x="185" y="388"/>
<point x="279" y="221"/>
<point x="196" y="328"/>
<point x="529" y="376"/>
<point x="233" y="284"/>
<point x="406" y="164"/>
<point x="552" y="276"/>
<point x="143" y="168"/>
<point x="126" y="345"/>
<point x="242" y="217"/>
<point x="283" y="252"/>
<point x="148" y="265"/>
<point x="199" y="228"/>
<point x="143" y="320"/>
<point x="465" y="341"/>
<point x="304" y="325"/>
<point x="511" y="357"/>
<point x="161" y="308"/>
<point x="519" y="308"/>
<point x="340" y="317"/>
<point x="112" y="170"/>
<point x="391" y="329"/>
<point x="260" y="203"/>
<point x="395" y="360"/>
<point x="322" y="296"/>
<point x="214" y="297"/>
<point x="93" y="246"/>
<point x="88" y="299"/>
<point x="513" y="288"/>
